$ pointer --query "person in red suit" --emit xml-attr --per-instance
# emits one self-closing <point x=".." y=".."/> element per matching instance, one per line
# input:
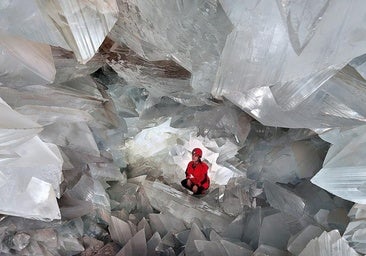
<point x="197" y="179"/>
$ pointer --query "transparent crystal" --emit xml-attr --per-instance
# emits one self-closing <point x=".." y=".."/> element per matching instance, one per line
<point x="302" y="19"/>
<point x="359" y="63"/>
<point x="274" y="232"/>
<point x="194" y="235"/>
<point x="342" y="172"/>
<point x="266" y="250"/>
<point x="25" y="19"/>
<point x="93" y="191"/>
<point x="74" y="136"/>
<point x="135" y="246"/>
<point x="20" y="241"/>
<point x="68" y="68"/>
<point x="15" y="129"/>
<point x="64" y="238"/>
<point x="153" y="243"/>
<point x="84" y="96"/>
<point x="164" y="223"/>
<point x="37" y="183"/>
<point x="24" y="62"/>
<point x="355" y="232"/>
<point x="245" y="74"/>
<point x="298" y="242"/>
<point x="283" y="199"/>
<point x="83" y="25"/>
<point x="105" y="171"/>
<point x="235" y="230"/>
<point x="161" y="195"/>
<point x="71" y="208"/>
<point x="329" y="243"/>
<point x="158" y="34"/>
<point x="123" y="136"/>
<point x="144" y="224"/>
<point x="238" y="195"/>
<point x="208" y="248"/>
<point x="120" y="231"/>
<point x="233" y="249"/>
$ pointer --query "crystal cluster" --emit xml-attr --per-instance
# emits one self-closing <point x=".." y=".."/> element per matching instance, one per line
<point x="101" y="103"/>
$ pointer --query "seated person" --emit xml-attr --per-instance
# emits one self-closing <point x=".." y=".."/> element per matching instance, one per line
<point x="197" y="179"/>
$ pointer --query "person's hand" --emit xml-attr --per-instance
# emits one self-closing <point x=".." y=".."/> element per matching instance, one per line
<point x="189" y="183"/>
<point x="194" y="189"/>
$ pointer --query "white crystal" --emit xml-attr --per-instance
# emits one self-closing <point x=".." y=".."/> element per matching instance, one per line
<point x="46" y="115"/>
<point x="343" y="170"/>
<point x="153" y="243"/>
<point x="77" y="25"/>
<point x="266" y="250"/>
<point x="246" y="76"/>
<point x="359" y="64"/>
<point x="40" y="194"/>
<point x="284" y="200"/>
<point x="25" y="19"/>
<point x="120" y="231"/>
<point x="36" y="185"/>
<point x="355" y="232"/>
<point x="175" y="202"/>
<point x="194" y="235"/>
<point x="15" y="128"/>
<point x="273" y="231"/>
<point x="135" y="246"/>
<point x="299" y="241"/>
<point x="24" y="62"/>
<point x="302" y="18"/>
<point x="165" y="222"/>
<point x="163" y="142"/>
<point x="157" y="34"/>
<point x="143" y="224"/>
<point x="329" y="243"/>
<point x="37" y="165"/>
<point x="68" y="68"/>
<point x="84" y="25"/>
<point x="72" y="208"/>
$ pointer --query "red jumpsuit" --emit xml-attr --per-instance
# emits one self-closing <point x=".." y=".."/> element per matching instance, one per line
<point x="197" y="173"/>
